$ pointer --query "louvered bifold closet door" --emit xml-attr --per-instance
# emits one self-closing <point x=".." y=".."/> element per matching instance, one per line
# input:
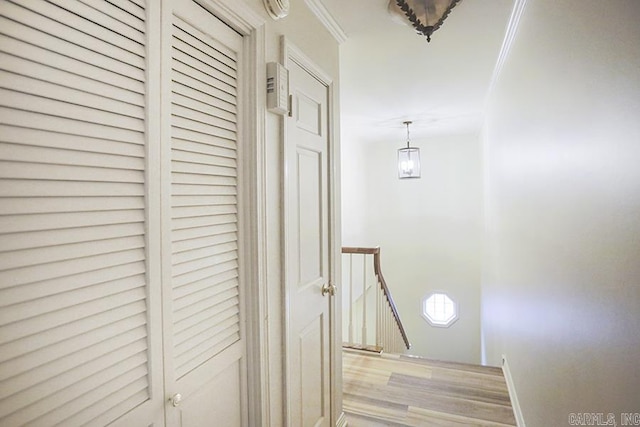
<point x="73" y="310"/>
<point x="204" y="198"/>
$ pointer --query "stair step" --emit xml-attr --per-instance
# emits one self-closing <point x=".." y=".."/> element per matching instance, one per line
<point x="445" y="364"/>
<point x="368" y="348"/>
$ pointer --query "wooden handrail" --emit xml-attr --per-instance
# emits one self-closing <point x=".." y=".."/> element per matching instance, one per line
<point x="383" y="284"/>
<point x="366" y="251"/>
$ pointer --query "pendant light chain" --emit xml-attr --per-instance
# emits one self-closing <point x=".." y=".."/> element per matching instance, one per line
<point x="408" y="138"/>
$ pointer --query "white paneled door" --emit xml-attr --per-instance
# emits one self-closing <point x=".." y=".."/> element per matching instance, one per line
<point x="121" y="279"/>
<point x="307" y="258"/>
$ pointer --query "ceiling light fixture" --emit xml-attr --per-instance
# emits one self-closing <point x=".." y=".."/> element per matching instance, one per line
<point x="426" y="16"/>
<point x="277" y="9"/>
<point x="408" y="159"/>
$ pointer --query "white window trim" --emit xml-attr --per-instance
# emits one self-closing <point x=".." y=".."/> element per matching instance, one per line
<point x="435" y="322"/>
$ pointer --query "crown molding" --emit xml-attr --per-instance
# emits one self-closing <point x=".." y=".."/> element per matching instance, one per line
<point x="512" y="29"/>
<point x="323" y="15"/>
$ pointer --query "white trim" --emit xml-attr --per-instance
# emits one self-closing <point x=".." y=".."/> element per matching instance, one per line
<point x="291" y="53"/>
<point x="166" y="11"/>
<point x="510" y="35"/>
<point x="335" y="255"/>
<point x="437" y="322"/>
<point x="512" y="392"/>
<point x="234" y="13"/>
<point x="153" y="208"/>
<point x="258" y="358"/>
<point x="325" y="17"/>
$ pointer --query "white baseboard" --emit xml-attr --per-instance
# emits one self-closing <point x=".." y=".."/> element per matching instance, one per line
<point x="512" y="392"/>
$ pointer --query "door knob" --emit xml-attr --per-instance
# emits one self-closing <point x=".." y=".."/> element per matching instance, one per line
<point x="329" y="289"/>
<point x="176" y="399"/>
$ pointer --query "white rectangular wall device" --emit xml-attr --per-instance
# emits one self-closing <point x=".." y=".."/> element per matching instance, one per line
<point x="277" y="88"/>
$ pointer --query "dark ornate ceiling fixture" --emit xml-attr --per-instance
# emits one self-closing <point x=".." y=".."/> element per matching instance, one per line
<point x="426" y="16"/>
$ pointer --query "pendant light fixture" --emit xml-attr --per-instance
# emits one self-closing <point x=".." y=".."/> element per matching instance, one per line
<point x="408" y="159"/>
<point x="426" y="16"/>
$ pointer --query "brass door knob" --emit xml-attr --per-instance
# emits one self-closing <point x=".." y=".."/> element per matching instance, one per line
<point x="329" y="289"/>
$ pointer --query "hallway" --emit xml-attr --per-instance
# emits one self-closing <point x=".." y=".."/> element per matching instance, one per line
<point x="393" y="390"/>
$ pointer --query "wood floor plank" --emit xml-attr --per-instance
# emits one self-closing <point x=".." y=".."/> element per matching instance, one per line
<point x="382" y="363"/>
<point x="405" y="391"/>
<point x="364" y="373"/>
<point x="488" y="382"/>
<point x="424" y="417"/>
<point x="446" y="388"/>
<point x="425" y="399"/>
<point x="494" y="370"/>
<point x="359" y="420"/>
<point x="386" y="412"/>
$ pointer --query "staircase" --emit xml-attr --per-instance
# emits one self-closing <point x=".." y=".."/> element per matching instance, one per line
<point x="383" y="387"/>
<point x="370" y="317"/>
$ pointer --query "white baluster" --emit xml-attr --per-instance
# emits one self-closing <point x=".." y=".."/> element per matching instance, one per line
<point x="364" y="299"/>
<point x="378" y="312"/>
<point x="350" y="298"/>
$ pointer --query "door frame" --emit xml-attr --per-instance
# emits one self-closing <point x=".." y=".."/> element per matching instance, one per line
<point x="253" y="230"/>
<point x="290" y="53"/>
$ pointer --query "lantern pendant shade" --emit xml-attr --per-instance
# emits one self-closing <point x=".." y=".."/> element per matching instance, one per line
<point x="408" y="159"/>
<point x="426" y="16"/>
<point x="409" y="162"/>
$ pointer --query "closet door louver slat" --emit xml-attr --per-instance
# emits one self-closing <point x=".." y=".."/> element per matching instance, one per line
<point x="73" y="280"/>
<point x="204" y="199"/>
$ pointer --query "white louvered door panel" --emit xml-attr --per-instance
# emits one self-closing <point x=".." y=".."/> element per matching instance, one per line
<point x="207" y="346"/>
<point x="74" y="326"/>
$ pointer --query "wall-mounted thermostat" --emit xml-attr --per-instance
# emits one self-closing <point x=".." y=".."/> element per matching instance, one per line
<point x="277" y="88"/>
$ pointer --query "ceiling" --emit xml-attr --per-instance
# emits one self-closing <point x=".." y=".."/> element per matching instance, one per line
<point x="390" y="74"/>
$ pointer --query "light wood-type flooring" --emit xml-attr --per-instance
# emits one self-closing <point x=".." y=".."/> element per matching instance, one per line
<point x="394" y="390"/>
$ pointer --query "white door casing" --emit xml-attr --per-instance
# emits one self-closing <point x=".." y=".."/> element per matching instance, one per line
<point x="308" y="243"/>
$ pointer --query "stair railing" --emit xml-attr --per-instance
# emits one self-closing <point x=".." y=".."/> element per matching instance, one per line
<point x="370" y="316"/>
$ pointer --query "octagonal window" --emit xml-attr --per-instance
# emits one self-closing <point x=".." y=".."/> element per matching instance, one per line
<point x="439" y="309"/>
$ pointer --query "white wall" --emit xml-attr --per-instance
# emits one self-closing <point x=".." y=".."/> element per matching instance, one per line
<point x="354" y="192"/>
<point x="561" y="287"/>
<point x="429" y="231"/>
<point x="302" y="29"/>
